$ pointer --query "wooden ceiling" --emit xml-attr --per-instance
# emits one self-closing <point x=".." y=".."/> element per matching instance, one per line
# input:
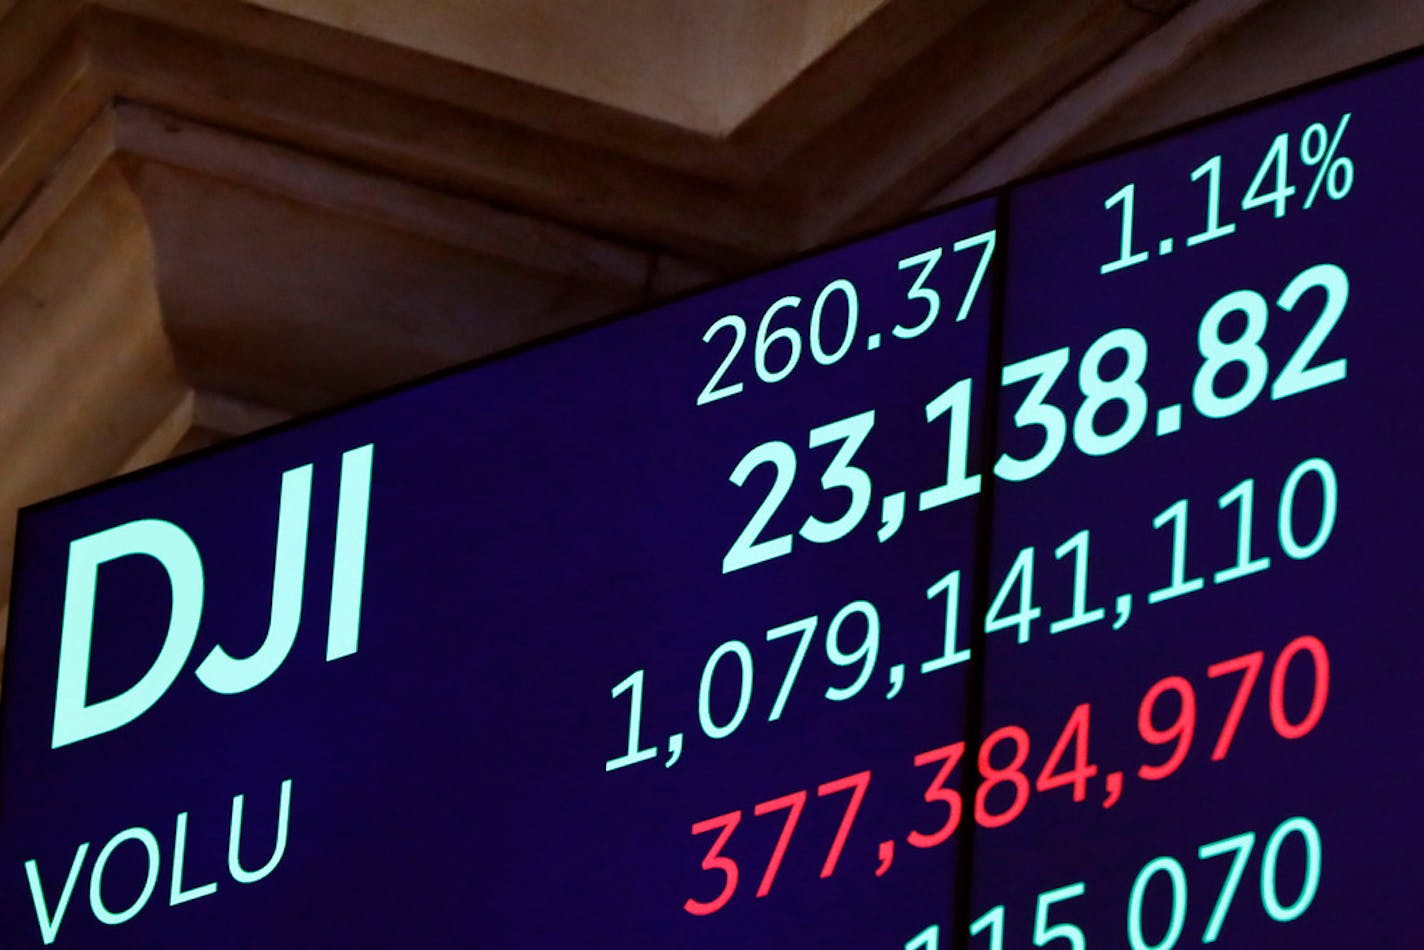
<point x="216" y="214"/>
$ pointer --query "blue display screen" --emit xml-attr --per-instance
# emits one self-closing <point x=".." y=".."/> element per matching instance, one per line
<point x="1036" y="573"/>
<point x="1220" y="532"/>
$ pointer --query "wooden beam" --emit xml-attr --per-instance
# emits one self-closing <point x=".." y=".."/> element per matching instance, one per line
<point x="1036" y="142"/>
<point x="1275" y="47"/>
<point x="165" y="437"/>
<point x="217" y="412"/>
<point x="88" y="373"/>
<point x="471" y="226"/>
<point x="29" y="29"/>
<point x="281" y="301"/>
<point x="66" y="180"/>
<point x="956" y="100"/>
<point x="366" y="125"/>
<point x="41" y="121"/>
<point x="845" y="77"/>
<point x="431" y="77"/>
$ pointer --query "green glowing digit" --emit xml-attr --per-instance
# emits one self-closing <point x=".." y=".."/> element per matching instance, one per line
<point x="851" y="433"/>
<point x="1242" y="845"/>
<point x="1125" y="388"/>
<point x="747" y="550"/>
<point x="807" y="628"/>
<point x="956" y="403"/>
<point x="704" y="692"/>
<point x="634" y="682"/>
<point x="918" y="291"/>
<point x="710" y="392"/>
<point x="1043" y="934"/>
<point x="1218" y="353"/>
<point x="1329" y="492"/>
<point x="864" y="654"/>
<point x="1176" y="513"/>
<point x="949" y="586"/>
<point x="987" y="240"/>
<point x="1270" y="899"/>
<point x="927" y="939"/>
<point x="762" y="345"/>
<point x="1276" y="160"/>
<point x="993" y="921"/>
<point x="1178" y="878"/>
<point x="818" y="352"/>
<point x="1020" y="573"/>
<point x="1078" y="547"/>
<point x="1298" y="376"/>
<point x="1044" y="369"/>
<point x="1126" y="258"/>
<point x="1245" y="493"/>
<point x="1211" y="168"/>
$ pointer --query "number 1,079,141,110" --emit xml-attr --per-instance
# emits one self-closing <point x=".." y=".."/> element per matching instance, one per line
<point x="1304" y="520"/>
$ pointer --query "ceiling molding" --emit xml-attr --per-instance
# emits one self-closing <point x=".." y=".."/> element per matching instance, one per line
<point x="871" y="128"/>
<point x="145" y="132"/>
<point x="1036" y="142"/>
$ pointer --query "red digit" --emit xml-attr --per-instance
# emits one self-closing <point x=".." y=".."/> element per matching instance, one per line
<point x="1180" y="732"/>
<point x="1250" y="667"/>
<point x="858" y="783"/>
<point x="950" y="754"/>
<point x="1011" y="773"/>
<point x="793" y="803"/>
<point x="716" y="862"/>
<point x="1320" y="693"/>
<point x="1076" y="732"/>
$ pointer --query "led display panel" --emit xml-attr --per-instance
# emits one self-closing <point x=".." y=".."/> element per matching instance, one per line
<point x="637" y="638"/>
<point x="1034" y="574"/>
<point x="1199" y="723"/>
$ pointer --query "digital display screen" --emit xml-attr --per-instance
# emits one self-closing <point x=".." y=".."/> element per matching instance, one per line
<point x="1036" y="573"/>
